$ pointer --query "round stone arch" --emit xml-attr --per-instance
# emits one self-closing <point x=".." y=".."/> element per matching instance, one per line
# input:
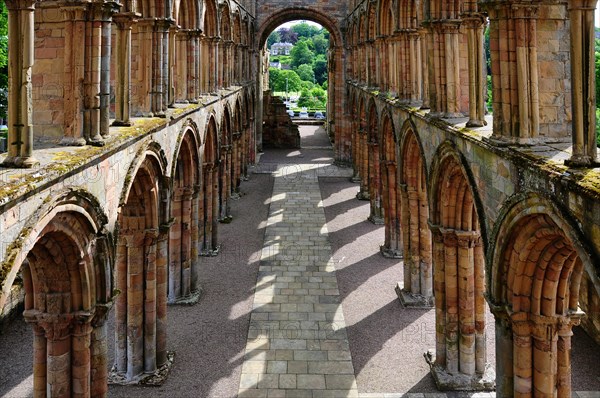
<point x="65" y="258"/>
<point x="298" y="13"/>
<point x="73" y="201"/>
<point x="338" y="116"/>
<point x="538" y="258"/>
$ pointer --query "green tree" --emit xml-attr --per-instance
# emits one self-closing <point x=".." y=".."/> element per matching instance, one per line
<point x="274" y="76"/>
<point x="306" y="73"/>
<point x="320" y="69"/>
<point x="320" y="44"/>
<point x="304" y="30"/>
<point x="278" y="82"/>
<point x="287" y="35"/>
<point x="274" y="37"/>
<point x="301" y="54"/>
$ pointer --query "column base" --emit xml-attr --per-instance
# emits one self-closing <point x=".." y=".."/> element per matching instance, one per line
<point x="363" y="196"/>
<point x="476" y="123"/>
<point x="211" y="252"/>
<point x="119" y="123"/>
<point x="154" y="379"/>
<point x="413" y="300"/>
<point x="235" y="195"/>
<point x="20" y="162"/>
<point x="376" y="220"/>
<point x="581" y="161"/>
<point x="390" y="253"/>
<point x="342" y="163"/>
<point x="446" y="381"/>
<point x="73" y="141"/>
<point x="355" y="179"/>
<point x="189" y="300"/>
<point x="96" y="142"/>
<point x="226" y="220"/>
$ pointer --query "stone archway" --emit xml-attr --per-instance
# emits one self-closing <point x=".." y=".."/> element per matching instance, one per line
<point x="539" y="261"/>
<point x="459" y="276"/>
<point x="418" y="270"/>
<point x="183" y="236"/>
<point x="338" y="118"/>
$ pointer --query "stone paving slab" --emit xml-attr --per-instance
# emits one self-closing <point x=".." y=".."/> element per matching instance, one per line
<point x="297" y="343"/>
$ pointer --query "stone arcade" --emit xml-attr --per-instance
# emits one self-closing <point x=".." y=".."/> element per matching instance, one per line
<point x="158" y="107"/>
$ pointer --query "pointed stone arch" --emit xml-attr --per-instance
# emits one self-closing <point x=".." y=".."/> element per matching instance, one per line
<point x="209" y="206"/>
<point x="391" y="205"/>
<point x="418" y="268"/>
<point x="363" y="149"/>
<point x="184" y="270"/>
<point x="459" y="273"/>
<point x="225" y="165"/>
<point x="374" y="170"/>
<point x="141" y="270"/>
<point x="539" y="257"/>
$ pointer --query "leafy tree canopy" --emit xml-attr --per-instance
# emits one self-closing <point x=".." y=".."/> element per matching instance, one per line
<point x="277" y="80"/>
<point x="304" y="30"/>
<point x="320" y="69"/>
<point x="306" y="73"/>
<point x="301" y="54"/>
<point x="274" y="37"/>
<point x="320" y="44"/>
<point x="287" y="36"/>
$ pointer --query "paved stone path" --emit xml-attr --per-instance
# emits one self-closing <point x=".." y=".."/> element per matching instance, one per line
<point x="297" y="343"/>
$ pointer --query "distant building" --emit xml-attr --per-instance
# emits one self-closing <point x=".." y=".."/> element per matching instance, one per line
<point x="281" y="48"/>
<point x="276" y="65"/>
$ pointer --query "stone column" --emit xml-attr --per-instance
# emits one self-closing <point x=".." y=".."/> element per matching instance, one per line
<point x="446" y="69"/>
<point x="439" y="287"/>
<point x="363" y="193"/>
<point x="40" y="358"/>
<point x="81" y="338"/>
<point x="355" y="151"/>
<point x="74" y="17"/>
<point x="97" y="71"/>
<point x="583" y="82"/>
<point x="477" y="79"/>
<point x="225" y="175"/>
<point x="20" y="63"/>
<point x="99" y="352"/>
<point x="134" y="333"/>
<point x="124" y="23"/>
<point x="193" y="61"/>
<point x="195" y="240"/>
<point x="458" y="321"/>
<point x="121" y="303"/>
<point x="424" y="35"/>
<point x="162" y="248"/>
<point x="105" y="53"/>
<point x="392" y="247"/>
<point x="182" y="65"/>
<point x="376" y="216"/>
<point x="150" y="300"/>
<point x="504" y="352"/>
<point x="415" y="60"/>
<point x="216" y="78"/>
